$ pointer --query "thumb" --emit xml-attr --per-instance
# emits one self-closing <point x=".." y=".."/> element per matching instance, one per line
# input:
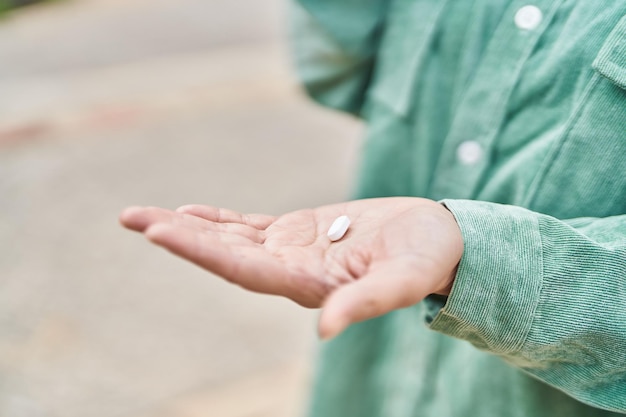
<point x="384" y="289"/>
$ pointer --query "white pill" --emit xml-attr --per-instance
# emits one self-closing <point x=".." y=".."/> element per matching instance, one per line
<point x="339" y="228"/>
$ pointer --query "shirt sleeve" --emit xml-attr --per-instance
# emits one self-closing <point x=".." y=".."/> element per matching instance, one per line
<point x="334" y="56"/>
<point x="549" y="296"/>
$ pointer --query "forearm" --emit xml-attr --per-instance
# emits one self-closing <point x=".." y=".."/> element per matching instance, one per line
<point x="549" y="296"/>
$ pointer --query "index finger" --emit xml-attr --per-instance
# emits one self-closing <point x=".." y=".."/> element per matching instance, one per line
<point x="232" y="257"/>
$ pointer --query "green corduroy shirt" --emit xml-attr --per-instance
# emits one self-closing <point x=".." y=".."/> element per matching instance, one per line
<point x="513" y="114"/>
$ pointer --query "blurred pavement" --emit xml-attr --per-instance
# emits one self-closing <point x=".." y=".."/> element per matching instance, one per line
<point x="110" y="103"/>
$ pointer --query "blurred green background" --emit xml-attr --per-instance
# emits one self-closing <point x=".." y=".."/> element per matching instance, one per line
<point x="6" y="5"/>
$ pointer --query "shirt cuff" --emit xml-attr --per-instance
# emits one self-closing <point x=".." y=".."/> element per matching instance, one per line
<point x="498" y="282"/>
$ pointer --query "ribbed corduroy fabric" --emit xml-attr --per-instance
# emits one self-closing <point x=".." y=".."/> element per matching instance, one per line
<point x="521" y="132"/>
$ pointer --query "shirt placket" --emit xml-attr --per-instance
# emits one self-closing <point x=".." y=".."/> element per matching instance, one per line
<point x="467" y="152"/>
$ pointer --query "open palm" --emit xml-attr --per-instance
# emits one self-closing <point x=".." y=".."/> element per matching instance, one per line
<point x="396" y="252"/>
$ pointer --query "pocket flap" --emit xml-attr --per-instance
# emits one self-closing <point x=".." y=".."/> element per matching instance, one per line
<point x="611" y="60"/>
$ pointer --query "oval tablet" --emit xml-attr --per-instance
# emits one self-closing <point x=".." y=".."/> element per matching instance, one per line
<point x="338" y="228"/>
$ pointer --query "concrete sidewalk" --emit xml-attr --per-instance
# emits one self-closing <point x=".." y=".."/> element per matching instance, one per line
<point x="106" y="104"/>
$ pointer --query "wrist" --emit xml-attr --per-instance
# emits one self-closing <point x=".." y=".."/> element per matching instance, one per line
<point x="457" y="241"/>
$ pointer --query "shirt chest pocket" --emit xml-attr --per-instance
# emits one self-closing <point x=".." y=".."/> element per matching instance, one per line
<point x="585" y="174"/>
<point x="611" y="60"/>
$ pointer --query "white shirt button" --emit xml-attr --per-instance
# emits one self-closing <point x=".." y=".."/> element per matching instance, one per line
<point x="469" y="152"/>
<point x="528" y="17"/>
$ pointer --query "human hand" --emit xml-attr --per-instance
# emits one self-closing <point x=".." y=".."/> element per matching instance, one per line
<point x="396" y="252"/>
